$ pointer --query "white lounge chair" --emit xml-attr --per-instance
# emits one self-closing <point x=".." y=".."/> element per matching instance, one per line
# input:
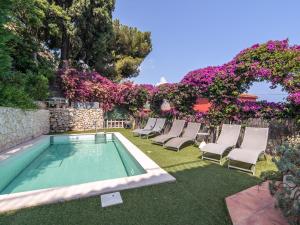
<point x="149" y="126"/>
<point x="189" y="135"/>
<point x="226" y="140"/>
<point x="175" y="131"/>
<point x="254" y="144"/>
<point x="158" y="128"/>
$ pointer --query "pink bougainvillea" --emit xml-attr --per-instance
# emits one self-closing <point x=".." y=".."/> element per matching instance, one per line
<point x="91" y="86"/>
<point x="295" y="97"/>
<point x="274" y="61"/>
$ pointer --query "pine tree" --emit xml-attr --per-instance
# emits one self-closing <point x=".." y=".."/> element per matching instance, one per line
<point x="130" y="48"/>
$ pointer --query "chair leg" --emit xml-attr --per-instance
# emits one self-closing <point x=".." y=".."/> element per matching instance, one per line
<point x="228" y="165"/>
<point x="253" y="171"/>
<point x="220" y="161"/>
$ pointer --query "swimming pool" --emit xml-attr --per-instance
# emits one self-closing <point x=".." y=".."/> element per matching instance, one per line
<point x="62" y="167"/>
<point x="69" y="160"/>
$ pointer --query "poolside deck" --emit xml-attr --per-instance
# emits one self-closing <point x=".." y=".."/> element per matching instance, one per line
<point x="254" y="206"/>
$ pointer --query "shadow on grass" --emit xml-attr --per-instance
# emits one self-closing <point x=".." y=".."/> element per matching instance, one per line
<point x="181" y="164"/>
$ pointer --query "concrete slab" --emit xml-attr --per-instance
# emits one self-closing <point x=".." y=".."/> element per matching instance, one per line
<point x="254" y="206"/>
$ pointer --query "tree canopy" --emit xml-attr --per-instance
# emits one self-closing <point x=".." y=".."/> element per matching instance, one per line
<point x="130" y="48"/>
<point x="39" y="36"/>
<point x="5" y="60"/>
<point x="84" y="33"/>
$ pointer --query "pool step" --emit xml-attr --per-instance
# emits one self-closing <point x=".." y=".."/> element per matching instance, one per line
<point x="103" y="138"/>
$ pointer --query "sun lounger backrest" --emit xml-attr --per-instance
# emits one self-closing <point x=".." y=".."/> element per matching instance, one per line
<point x="191" y="130"/>
<point x="255" y="139"/>
<point x="177" y="128"/>
<point x="150" y="123"/>
<point x="159" y="125"/>
<point x="229" y="134"/>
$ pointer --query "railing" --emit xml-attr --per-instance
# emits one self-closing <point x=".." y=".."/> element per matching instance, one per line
<point x="115" y="123"/>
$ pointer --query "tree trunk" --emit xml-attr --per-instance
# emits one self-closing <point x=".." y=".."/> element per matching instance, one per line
<point x="64" y="46"/>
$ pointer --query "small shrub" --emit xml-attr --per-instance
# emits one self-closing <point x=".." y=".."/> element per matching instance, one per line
<point x="286" y="185"/>
<point x="14" y="96"/>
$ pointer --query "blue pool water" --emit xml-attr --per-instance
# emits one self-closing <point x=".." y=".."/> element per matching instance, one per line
<point x="67" y="160"/>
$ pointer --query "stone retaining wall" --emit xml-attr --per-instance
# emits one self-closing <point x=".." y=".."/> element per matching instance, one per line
<point x="17" y="125"/>
<point x="62" y="120"/>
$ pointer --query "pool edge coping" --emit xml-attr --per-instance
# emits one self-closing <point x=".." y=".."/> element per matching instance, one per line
<point x="154" y="175"/>
<point x="6" y="153"/>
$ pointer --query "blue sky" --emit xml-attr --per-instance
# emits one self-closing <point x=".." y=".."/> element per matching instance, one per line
<point x="192" y="34"/>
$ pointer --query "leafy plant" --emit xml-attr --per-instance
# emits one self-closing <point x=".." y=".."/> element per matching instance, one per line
<point x="286" y="182"/>
<point x="15" y="97"/>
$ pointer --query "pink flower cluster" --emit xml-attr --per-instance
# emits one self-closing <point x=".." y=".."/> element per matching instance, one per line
<point x="91" y="86"/>
<point x="295" y="98"/>
<point x="203" y="78"/>
<point x="277" y="45"/>
<point x="274" y="61"/>
<point x="262" y="109"/>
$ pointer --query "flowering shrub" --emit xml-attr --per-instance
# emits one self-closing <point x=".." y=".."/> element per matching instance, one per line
<point x="133" y="97"/>
<point x="295" y="97"/>
<point x="274" y="61"/>
<point x="91" y="86"/>
<point x="262" y="109"/>
<point x="172" y="113"/>
<point x="88" y="86"/>
<point x="180" y="96"/>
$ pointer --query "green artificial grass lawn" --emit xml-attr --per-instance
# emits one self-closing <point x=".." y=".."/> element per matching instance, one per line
<point x="197" y="196"/>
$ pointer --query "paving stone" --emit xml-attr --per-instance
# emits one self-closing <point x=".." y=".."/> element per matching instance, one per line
<point x="254" y="206"/>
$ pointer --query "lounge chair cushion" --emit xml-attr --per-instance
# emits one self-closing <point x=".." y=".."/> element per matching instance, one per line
<point x="215" y="148"/>
<point x="177" y="142"/>
<point x="175" y="131"/>
<point x="245" y="155"/>
<point x="146" y="132"/>
<point x="255" y="138"/>
<point x="162" y="138"/>
<point x="159" y="125"/>
<point x="150" y="124"/>
<point x="137" y="130"/>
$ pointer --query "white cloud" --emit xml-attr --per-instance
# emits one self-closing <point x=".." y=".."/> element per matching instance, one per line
<point x="162" y="80"/>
